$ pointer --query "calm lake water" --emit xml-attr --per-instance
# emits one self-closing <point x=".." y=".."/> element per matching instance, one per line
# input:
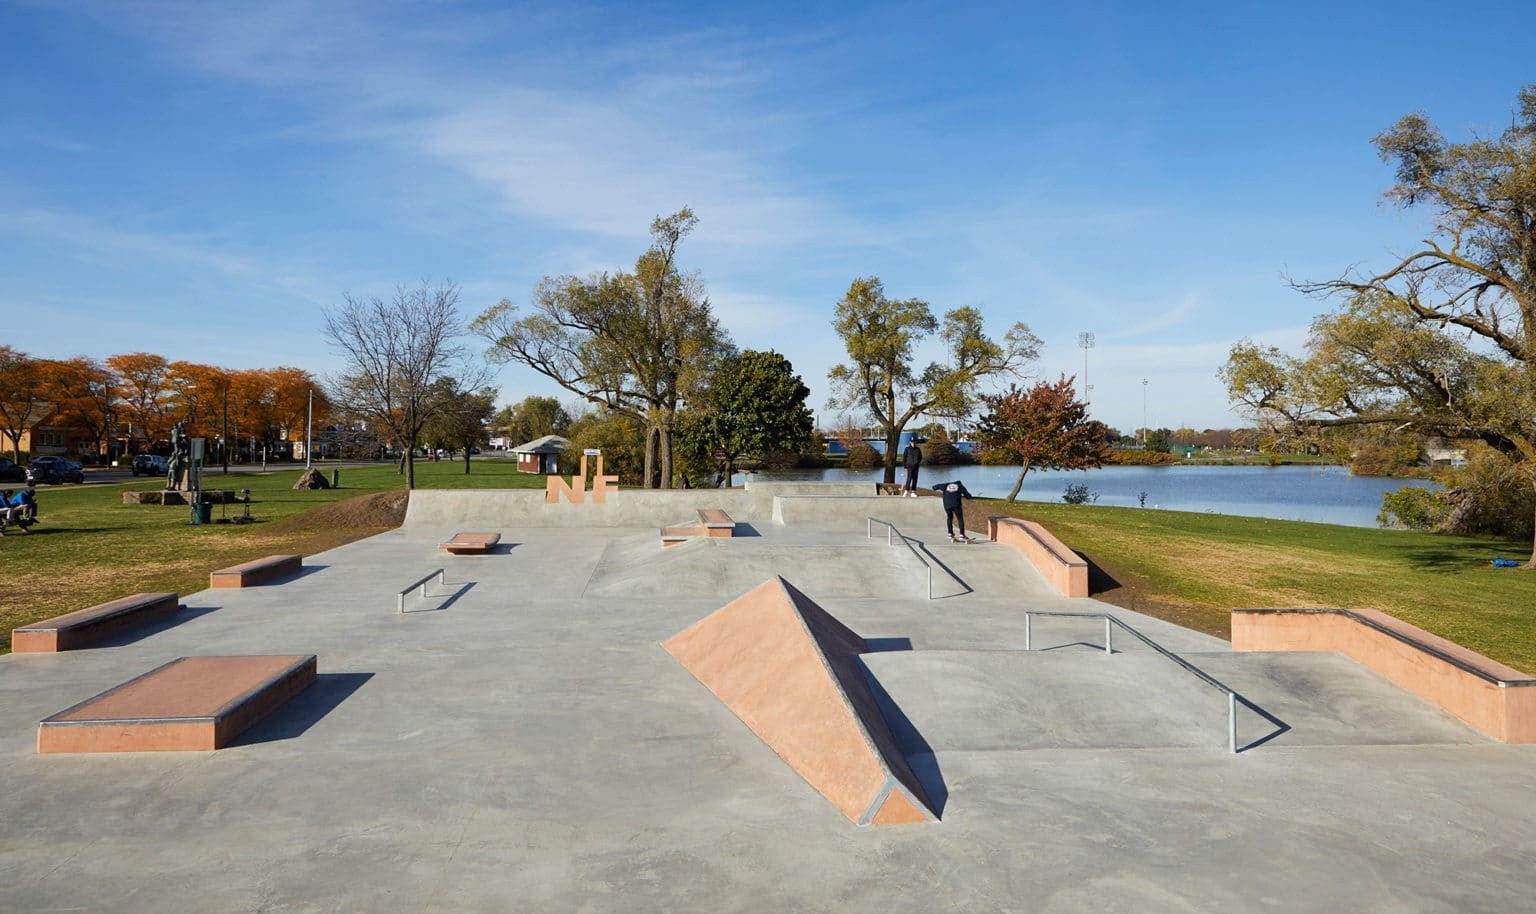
<point x="1325" y="494"/>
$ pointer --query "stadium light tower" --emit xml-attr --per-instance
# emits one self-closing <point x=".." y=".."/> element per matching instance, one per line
<point x="1085" y="340"/>
<point x="1143" y="412"/>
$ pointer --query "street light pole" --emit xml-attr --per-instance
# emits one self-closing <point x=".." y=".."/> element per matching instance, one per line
<point x="224" y="439"/>
<point x="1143" y="412"/>
<point x="309" y="430"/>
<point x="1085" y="340"/>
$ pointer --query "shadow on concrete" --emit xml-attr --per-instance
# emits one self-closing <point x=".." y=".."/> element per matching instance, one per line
<point x="934" y="560"/>
<point x="1280" y="725"/>
<point x="447" y="599"/>
<point x="918" y="753"/>
<point x="139" y="633"/>
<point x="743" y="529"/>
<point x="502" y="549"/>
<point x="884" y="645"/>
<point x="305" y="709"/>
<point x="1096" y="648"/>
<point x="303" y="572"/>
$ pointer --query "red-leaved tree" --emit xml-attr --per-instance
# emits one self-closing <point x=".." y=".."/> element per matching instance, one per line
<point x="1045" y="427"/>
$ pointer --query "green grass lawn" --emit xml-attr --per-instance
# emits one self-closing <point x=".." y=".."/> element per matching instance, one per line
<point x="90" y="547"/>
<point x="1195" y="568"/>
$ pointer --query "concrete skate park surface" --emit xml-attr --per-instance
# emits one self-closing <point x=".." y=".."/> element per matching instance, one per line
<point x="521" y="742"/>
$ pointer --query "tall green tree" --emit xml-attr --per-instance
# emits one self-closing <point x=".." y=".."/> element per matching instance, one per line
<point x="754" y="403"/>
<point x="631" y="343"/>
<point x="1044" y="427"/>
<point x="881" y="335"/>
<point x="530" y="418"/>
<point x="458" y="416"/>
<point x="1444" y="340"/>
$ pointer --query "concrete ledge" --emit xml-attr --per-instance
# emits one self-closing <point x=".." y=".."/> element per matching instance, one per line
<point x="470" y="543"/>
<point x="852" y="511"/>
<point x="191" y="703"/>
<point x="790" y="672"/>
<point x="85" y="627"/>
<point x="1063" y="568"/>
<point x="256" y="572"/>
<point x="716" y="522"/>
<point x="1496" y="699"/>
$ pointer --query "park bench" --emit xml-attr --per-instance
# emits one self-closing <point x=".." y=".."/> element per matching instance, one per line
<point x="712" y="522"/>
<point x="471" y="543"/>
<point x="1496" y="699"/>
<point x="256" y="572"/>
<point x="191" y="703"/>
<point x="1062" y="568"/>
<point x="88" y="626"/>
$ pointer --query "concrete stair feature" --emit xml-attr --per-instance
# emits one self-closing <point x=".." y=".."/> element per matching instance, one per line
<point x="189" y="704"/>
<point x="790" y="672"/>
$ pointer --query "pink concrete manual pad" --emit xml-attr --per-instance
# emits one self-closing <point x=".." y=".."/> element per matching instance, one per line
<point x="470" y="543"/>
<point x="191" y="703"/>
<point x="789" y="671"/>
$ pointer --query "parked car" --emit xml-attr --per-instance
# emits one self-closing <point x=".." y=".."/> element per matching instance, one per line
<point x="54" y="471"/>
<point x="150" y="465"/>
<point x="11" y="471"/>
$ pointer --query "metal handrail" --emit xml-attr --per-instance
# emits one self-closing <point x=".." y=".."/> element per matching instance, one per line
<point x="890" y="529"/>
<point x="422" y="584"/>
<point x="1110" y="622"/>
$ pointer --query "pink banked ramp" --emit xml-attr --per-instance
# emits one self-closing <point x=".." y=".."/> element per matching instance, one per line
<point x="790" y="672"/>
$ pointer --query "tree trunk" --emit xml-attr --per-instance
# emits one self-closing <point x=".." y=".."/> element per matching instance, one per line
<point x="466" y="458"/>
<point x="892" y="438"/>
<point x="1531" y="563"/>
<point x="410" y="467"/>
<point x="665" y="446"/>
<point x="730" y="470"/>
<point x="1017" y="484"/>
<point x="649" y="477"/>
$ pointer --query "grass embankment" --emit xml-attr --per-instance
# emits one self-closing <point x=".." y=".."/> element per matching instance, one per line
<point x="1193" y="568"/>
<point x="90" y="547"/>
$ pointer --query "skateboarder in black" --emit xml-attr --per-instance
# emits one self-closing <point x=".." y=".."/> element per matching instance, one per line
<point x="953" y="492"/>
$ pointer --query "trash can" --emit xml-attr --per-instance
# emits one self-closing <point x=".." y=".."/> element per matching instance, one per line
<point x="202" y="513"/>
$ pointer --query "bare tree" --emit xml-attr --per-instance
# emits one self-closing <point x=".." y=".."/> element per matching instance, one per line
<point x="395" y="351"/>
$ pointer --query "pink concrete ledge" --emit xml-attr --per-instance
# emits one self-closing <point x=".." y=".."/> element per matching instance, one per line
<point x="1498" y="700"/>
<point x="256" y="572"/>
<point x="191" y="703"/>
<point x="1062" y="567"/>
<point x="88" y="626"/>
<point x="471" y="543"/>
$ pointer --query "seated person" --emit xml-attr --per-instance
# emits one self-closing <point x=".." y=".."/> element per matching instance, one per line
<point x="21" y="508"/>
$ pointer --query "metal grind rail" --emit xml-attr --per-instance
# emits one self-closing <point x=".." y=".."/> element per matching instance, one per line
<point x="1110" y="622"/>
<point x="422" y="583"/>
<point x="891" y="531"/>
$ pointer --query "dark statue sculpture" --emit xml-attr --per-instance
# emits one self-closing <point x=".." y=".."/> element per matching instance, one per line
<point x="181" y="456"/>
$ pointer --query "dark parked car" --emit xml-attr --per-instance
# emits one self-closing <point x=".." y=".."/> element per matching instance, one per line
<point x="54" y="470"/>
<point x="12" y="472"/>
<point x="150" y="465"/>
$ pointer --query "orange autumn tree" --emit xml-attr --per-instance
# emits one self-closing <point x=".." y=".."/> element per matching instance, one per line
<point x="22" y="399"/>
<point x="82" y="391"/>
<point x="143" y="387"/>
<point x="1045" y="427"/>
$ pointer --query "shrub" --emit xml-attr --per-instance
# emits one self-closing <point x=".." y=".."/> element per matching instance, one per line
<point x="863" y="457"/>
<point x="1077" y="493"/>
<point x="1413" y="507"/>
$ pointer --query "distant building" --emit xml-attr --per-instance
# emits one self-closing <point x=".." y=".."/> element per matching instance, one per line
<point x="541" y="455"/>
<point x="1452" y="456"/>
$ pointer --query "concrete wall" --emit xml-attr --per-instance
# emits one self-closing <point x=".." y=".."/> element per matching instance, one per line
<point x="910" y="515"/>
<point x="1062" y="567"/>
<point x="1411" y="657"/>
<point x="468" y="509"/>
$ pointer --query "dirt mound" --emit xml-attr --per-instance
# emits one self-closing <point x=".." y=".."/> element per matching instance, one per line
<point x="379" y="510"/>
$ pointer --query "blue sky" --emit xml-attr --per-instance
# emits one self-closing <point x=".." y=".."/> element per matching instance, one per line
<point x="200" y="180"/>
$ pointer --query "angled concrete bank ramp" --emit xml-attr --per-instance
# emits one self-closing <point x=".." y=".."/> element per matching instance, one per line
<point x="791" y="673"/>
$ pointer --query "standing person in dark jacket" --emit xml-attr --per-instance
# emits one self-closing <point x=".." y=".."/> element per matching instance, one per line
<point x="953" y="492"/>
<point x="911" y="458"/>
